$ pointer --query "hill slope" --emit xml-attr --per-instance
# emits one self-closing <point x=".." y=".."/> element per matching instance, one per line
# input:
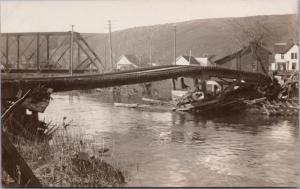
<point x="218" y="36"/>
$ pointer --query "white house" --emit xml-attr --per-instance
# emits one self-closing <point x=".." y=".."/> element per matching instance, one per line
<point x="286" y="57"/>
<point x="127" y="62"/>
<point x="190" y="60"/>
<point x="204" y="61"/>
<point x="182" y="85"/>
<point x="186" y="60"/>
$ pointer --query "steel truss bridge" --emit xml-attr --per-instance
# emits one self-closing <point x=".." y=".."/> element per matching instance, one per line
<point x="47" y="52"/>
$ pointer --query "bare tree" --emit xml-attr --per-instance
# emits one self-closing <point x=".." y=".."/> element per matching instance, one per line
<point x="253" y="32"/>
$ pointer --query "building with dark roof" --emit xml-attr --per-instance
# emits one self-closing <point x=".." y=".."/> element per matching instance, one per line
<point x="253" y="58"/>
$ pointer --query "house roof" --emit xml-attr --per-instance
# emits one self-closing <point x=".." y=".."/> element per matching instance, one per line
<point x="239" y="52"/>
<point x="282" y="48"/>
<point x="132" y="58"/>
<point x="190" y="59"/>
<point x="203" y="60"/>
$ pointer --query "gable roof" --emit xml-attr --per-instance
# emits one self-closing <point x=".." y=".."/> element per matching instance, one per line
<point x="190" y="59"/>
<point x="131" y="58"/>
<point x="283" y="48"/>
<point x="203" y="60"/>
<point x="242" y="51"/>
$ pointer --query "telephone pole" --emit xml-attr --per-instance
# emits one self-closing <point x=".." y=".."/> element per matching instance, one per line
<point x="150" y="52"/>
<point x="0" y="16"/>
<point x="71" y="49"/>
<point x="0" y="32"/>
<point x="105" y="56"/>
<point x="110" y="45"/>
<point x="174" y="44"/>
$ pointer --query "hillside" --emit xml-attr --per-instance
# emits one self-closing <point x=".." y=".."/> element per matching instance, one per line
<point x="211" y="37"/>
<point x="218" y="37"/>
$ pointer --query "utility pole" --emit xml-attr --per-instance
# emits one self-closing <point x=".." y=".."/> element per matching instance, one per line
<point x="1" y="32"/>
<point x="174" y="44"/>
<point x="190" y="56"/>
<point x="71" y="49"/>
<point x="110" y="45"/>
<point x="0" y="16"/>
<point x="105" y="56"/>
<point x="150" y="48"/>
<point x="150" y="58"/>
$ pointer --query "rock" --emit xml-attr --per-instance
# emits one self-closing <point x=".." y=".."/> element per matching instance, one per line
<point x="103" y="150"/>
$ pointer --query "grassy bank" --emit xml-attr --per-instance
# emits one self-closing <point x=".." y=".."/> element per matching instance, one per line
<point x="67" y="160"/>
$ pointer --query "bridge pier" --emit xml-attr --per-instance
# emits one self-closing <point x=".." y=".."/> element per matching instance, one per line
<point x="174" y="83"/>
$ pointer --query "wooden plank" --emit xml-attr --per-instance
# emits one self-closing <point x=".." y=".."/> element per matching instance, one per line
<point x="16" y="166"/>
<point x="12" y="108"/>
<point x="12" y="161"/>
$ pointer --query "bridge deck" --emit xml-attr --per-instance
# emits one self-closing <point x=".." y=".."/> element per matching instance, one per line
<point x="88" y="81"/>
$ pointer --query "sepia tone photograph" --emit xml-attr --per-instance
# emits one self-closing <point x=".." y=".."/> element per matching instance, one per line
<point x="149" y="93"/>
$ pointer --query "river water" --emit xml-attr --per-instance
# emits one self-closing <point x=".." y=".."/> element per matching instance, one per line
<point x="164" y="148"/>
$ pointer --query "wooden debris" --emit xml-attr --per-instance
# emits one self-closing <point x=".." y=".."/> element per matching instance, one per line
<point x="12" y="161"/>
<point x="38" y="100"/>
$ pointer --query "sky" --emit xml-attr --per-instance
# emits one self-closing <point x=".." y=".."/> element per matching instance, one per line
<point x="92" y="15"/>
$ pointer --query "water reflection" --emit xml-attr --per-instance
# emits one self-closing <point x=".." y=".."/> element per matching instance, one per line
<point x="180" y="149"/>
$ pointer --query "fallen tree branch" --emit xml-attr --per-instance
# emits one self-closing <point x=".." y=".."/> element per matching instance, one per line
<point x="13" y="107"/>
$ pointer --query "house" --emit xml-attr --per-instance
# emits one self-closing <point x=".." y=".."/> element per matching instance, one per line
<point x="252" y="58"/>
<point x="204" y="61"/>
<point x="154" y="64"/>
<point x="286" y="57"/>
<point x="186" y="60"/>
<point x="191" y="60"/>
<point x="127" y="62"/>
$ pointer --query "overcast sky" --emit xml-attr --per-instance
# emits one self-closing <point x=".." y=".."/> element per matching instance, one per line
<point x="92" y="15"/>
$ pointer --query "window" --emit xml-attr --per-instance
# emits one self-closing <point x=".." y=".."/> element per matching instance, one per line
<point x="281" y="66"/>
<point x="282" y="56"/>
<point x="293" y="55"/>
<point x="294" y="64"/>
<point x="254" y="66"/>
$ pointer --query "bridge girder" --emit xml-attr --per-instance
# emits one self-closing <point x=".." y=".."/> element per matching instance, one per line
<point x="78" y="82"/>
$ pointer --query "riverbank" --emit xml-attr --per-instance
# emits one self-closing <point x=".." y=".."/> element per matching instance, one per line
<point x="67" y="160"/>
<point x="155" y="148"/>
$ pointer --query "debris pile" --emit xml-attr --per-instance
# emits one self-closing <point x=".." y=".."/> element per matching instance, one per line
<point x="24" y="120"/>
<point x="270" y="99"/>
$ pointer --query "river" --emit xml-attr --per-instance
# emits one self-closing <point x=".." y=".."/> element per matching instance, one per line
<point x="165" y="148"/>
